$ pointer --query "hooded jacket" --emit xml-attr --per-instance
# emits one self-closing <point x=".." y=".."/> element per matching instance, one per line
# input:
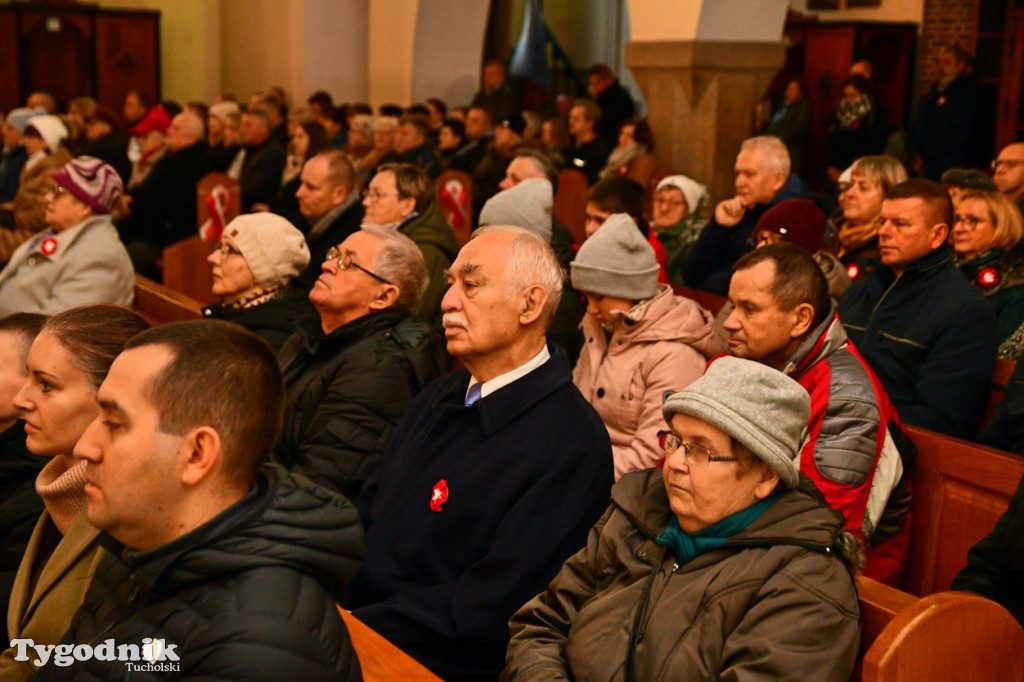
<point x="662" y="346"/>
<point x="774" y="602"/>
<point x="437" y="243"/>
<point x="242" y="597"/>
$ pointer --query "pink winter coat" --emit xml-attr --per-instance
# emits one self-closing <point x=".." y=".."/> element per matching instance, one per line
<point x="662" y="347"/>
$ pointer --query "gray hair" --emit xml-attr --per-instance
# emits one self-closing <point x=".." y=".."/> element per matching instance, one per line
<point x="776" y="156"/>
<point x="363" y="123"/>
<point x="400" y="262"/>
<point x="530" y="261"/>
<point x="386" y="123"/>
<point x="193" y="125"/>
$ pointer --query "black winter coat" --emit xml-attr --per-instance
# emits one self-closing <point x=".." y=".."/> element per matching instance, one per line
<point x="347" y="391"/>
<point x="275" y="321"/>
<point x="242" y="597"/>
<point x="528" y="470"/>
<point x="995" y="566"/>
<point x="928" y="335"/>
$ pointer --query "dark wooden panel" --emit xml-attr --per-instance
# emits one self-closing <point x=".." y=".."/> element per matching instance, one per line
<point x="9" y="91"/>
<point x="57" y="54"/>
<point x="126" y="57"/>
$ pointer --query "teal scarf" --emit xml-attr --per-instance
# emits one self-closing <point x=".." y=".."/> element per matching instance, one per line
<point x="686" y="546"/>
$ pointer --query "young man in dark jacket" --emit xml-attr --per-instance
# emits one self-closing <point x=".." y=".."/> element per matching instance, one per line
<point x="925" y="331"/>
<point x="351" y="370"/>
<point x="217" y="566"/>
<point x="494" y="475"/>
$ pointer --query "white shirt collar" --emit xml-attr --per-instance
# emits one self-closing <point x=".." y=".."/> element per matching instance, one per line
<point x="507" y="378"/>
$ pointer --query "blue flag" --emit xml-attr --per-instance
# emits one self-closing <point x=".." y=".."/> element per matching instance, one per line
<point x="530" y="58"/>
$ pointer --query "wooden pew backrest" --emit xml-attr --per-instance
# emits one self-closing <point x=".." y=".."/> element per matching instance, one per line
<point x="960" y="489"/>
<point x="568" y="203"/>
<point x="1000" y="380"/>
<point x="381" y="660"/>
<point x="160" y="304"/>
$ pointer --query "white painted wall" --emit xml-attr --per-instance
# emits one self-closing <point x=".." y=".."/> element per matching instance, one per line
<point x="334" y="49"/>
<point x="261" y="46"/>
<point x="757" y="21"/>
<point x="448" y="50"/>
<point x="656" y="20"/>
<point x="392" y="35"/>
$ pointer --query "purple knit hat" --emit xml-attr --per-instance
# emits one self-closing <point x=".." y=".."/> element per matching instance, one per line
<point x="91" y="180"/>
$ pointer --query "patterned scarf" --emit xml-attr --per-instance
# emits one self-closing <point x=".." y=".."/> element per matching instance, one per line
<point x="850" y="113"/>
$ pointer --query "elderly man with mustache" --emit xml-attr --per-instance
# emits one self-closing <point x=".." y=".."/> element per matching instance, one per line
<point x="495" y="473"/>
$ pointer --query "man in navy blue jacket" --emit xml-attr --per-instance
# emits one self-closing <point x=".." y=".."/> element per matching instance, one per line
<point x="928" y="334"/>
<point x="495" y="474"/>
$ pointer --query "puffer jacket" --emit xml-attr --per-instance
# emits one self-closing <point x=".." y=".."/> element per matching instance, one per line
<point x="774" y="602"/>
<point x="662" y="346"/>
<point x="346" y="392"/>
<point x="242" y="597"/>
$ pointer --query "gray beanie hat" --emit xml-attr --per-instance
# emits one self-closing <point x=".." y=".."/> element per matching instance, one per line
<point x="272" y="247"/>
<point x="616" y="261"/>
<point x="760" y="407"/>
<point x="528" y="205"/>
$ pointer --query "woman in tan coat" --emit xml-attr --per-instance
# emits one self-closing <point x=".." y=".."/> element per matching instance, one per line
<point x="67" y="363"/>
<point x="24" y="215"/>
<point x="640" y="340"/>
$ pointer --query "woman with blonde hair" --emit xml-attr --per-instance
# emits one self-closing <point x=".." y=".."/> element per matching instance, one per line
<point x="986" y="233"/>
<point x="857" y="234"/>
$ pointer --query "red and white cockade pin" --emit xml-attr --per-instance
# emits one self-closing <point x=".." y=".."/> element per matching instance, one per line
<point x="988" y="277"/>
<point x="48" y="247"/>
<point x="439" y="495"/>
<point x="853" y="270"/>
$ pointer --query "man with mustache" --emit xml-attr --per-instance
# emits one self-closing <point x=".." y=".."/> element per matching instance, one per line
<point x="495" y="474"/>
<point x="351" y="369"/>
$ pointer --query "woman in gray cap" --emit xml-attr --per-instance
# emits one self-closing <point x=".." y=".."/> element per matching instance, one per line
<point x="724" y="565"/>
<point x="259" y="254"/>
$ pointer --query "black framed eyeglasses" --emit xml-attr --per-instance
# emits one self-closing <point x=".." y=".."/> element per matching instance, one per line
<point x="696" y="455"/>
<point x="345" y="262"/>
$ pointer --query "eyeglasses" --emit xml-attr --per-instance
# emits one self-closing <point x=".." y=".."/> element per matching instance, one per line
<point x="226" y="250"/>
<point x="56" y="190"/>
<point x="969" y="221"/>
<point x="374" y="195"/>
<point x="345" y="262"/>
<point x="696" y="455"/>
<point x="1009" y="163"/>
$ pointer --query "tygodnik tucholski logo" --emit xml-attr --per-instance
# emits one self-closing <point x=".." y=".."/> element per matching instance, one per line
<point x="154" y="655"/>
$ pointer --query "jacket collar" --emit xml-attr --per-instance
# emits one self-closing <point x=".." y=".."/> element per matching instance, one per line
<point x="505" y="405"/>
<point x="315" y="341"/>
<point x="825" y="338"/>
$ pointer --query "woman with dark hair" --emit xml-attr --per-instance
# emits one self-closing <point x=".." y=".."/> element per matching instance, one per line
<point x="308" y="140"/>
<point x="632" y="157"/>
<point x="67" y="362"/>
<point x="791" y="123"/>
<point x="857" y="127"/>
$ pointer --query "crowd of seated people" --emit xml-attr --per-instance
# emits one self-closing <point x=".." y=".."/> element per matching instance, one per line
<point x="459" y="445"/>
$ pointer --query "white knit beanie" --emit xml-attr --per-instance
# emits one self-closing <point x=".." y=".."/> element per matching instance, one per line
<point x="528" y="205"/>
<point x="273" y="248"/>
<point x="762" y="408"/>
<point x="616" y="261"/>
<point x="50" y="128"/>
<point x="694" y="192"/>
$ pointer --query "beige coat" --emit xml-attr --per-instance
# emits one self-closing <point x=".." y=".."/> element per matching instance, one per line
<point x="44" y="614"/>
<point x="29" y="204"/>
<point x="662" y="347"/>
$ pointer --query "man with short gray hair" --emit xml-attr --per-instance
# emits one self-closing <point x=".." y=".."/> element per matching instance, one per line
<point x="351" y="370"/>
<point x="494" y="475"/>
<point x="762" y="180"/>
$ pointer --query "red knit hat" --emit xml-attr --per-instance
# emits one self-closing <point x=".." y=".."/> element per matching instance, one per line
<point x="798" y="221"/>
<point x="156" y="120"/>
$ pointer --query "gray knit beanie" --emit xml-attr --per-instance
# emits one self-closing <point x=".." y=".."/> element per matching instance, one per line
<point x="616" y="261"/>
<point x="528" y="205"/>
<point x="760" y="407"/>
<point x="272" y="247"/>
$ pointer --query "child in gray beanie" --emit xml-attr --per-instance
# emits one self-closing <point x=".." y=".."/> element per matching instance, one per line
<point x="639" y="339"/>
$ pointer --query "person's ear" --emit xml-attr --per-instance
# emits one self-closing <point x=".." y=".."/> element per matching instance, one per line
<point x="533" y="300"/>
<point x="386" y="297"/>
<point x="339" y="194"/>
<point x="767" y="484"/>
<point x="940" y="234"/>
<point x="201" y="450"/>
<point x="804" y="318"/>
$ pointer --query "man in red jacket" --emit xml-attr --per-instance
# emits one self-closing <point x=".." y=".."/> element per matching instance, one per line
<point x="856" y="452"/>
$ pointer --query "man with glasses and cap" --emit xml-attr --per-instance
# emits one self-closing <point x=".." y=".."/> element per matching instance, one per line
<point x="351" y="370"/>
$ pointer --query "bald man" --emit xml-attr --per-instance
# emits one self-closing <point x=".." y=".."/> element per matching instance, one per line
<point x="162" y="210"/>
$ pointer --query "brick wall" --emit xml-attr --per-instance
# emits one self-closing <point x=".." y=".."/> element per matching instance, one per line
<point x="945" y="22"/>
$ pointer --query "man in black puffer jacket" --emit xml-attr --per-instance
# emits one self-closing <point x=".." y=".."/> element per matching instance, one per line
<point x="217" y="568"/>
<point x="352" y="370"/>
